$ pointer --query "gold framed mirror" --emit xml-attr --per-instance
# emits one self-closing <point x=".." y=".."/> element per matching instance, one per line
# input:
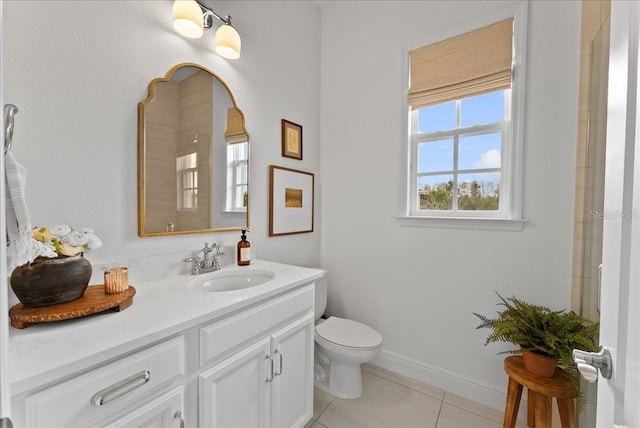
<point x="193" y="156"/>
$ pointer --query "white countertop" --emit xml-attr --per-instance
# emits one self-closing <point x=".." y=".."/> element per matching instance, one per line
<point x="50" y="351"/>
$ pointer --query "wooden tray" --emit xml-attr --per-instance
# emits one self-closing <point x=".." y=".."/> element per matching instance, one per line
<point x="93" y="301"/>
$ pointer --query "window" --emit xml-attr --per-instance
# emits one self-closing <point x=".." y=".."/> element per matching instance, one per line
<point x="458" y="151"/>
<point x="187" y="169"/>
<point x="237" y="177"/>
<point x="465" y="109"/>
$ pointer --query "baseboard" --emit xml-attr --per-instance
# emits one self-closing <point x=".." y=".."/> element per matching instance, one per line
<point x="486" y="394"/>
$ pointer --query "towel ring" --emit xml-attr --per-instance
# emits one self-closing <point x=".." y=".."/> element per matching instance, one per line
<point x="9" y="112"/>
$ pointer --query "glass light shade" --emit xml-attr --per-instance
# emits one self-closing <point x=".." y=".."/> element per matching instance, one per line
<point x="227" y="42"/>
<point x="188" y="18"/>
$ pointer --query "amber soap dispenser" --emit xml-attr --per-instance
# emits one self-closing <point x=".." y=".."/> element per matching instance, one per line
<point x="244" y="250"/>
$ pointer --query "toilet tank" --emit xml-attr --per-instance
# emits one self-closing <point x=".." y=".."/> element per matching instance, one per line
<point x="321" y="294"/>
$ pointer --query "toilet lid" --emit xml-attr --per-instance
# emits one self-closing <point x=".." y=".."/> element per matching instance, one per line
<point x="348" y="333"/>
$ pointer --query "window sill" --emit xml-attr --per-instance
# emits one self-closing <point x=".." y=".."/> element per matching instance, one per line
<point x="231" y="214"/>
<point x="476" y="223"/>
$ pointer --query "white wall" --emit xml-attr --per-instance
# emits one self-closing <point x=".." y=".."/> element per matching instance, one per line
<point x="77" y="71"/>
<point x="420" y="286"/>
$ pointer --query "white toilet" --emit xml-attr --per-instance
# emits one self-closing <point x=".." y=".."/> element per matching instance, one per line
<point x="341" y="345"/>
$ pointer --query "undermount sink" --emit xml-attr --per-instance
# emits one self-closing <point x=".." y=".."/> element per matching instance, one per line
<point x="231" y="280"/>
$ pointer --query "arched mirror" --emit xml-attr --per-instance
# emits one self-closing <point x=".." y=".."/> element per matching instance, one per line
<point x="193" y="156"/>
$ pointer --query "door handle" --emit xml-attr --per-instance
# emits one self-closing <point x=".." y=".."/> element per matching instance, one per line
<point x="590" y="362"/>
<point x="279" y="371"/>
<point x="270" y="372"/>
<point x="178" y="415"/>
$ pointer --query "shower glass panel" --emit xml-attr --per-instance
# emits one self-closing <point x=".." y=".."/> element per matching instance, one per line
<point x="594" y="198"/>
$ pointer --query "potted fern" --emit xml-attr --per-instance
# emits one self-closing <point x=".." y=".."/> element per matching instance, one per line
<point x="539" y="331"/>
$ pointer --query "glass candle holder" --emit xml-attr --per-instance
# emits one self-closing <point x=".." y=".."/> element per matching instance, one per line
<point x="116" y="280"/>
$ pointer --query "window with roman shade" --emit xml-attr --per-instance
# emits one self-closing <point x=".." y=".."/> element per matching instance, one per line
<point x="237" y="176"/>
<point x="473" y="63"/>
<point x="235" y="132"/>
<point x="466" y="107"/>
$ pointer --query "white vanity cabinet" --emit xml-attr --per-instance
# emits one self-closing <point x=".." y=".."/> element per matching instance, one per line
<point x="184" y="359"/>
<point x="267" y="381"/>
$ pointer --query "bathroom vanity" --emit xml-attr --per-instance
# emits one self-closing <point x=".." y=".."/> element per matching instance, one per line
<point x="183" y="354"/>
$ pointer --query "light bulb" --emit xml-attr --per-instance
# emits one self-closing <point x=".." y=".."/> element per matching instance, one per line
<point x="228" y="42"/>
<point x="188" y="18"/>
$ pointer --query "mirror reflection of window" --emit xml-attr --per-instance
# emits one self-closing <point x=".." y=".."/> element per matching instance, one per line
<point x="237" y="177"/>
<point x="187" y="174"/>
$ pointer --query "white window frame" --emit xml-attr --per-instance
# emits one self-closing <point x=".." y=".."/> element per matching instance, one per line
<point x="417" y="138"/>
<point x="511" y="197"/>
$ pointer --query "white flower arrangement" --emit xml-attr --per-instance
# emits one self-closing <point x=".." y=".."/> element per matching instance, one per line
<point x="62" y="240"/>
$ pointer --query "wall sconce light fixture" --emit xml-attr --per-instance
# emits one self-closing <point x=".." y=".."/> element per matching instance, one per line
<point x="190" y="18"/>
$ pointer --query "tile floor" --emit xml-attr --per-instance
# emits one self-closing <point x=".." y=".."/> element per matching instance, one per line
<point x="394" y="401"/>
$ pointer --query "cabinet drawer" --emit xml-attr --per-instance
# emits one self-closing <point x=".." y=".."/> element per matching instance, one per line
<point x="99" y="393"/>
<point x="223" y="336"/>
<point x="164" y="411"/>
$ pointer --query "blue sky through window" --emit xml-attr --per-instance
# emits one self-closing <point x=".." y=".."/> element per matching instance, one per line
<point x="440" y="117"/>
<point x="474" y="151"/>
<point x="479" y="151"/>
<point x="435" y="156"/>
<point x="482" y="109"/>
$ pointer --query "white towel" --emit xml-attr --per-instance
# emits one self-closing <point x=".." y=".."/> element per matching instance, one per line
<point x="19" y="249"/>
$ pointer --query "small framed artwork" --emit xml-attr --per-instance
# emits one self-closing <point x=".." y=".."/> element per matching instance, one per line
<point x="291" y="140"/>
<point x="291" y="201"/>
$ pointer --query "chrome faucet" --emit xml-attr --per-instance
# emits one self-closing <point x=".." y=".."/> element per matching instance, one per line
<point x="209" y="262"/>
<point x="207" y="259"/>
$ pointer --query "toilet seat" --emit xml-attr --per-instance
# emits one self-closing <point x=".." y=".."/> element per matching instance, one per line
<point x="348" y="334"/>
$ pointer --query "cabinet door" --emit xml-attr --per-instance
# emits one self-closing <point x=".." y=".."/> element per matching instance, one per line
<point x="292" y="386"/>
<point x="166" y="411"/>
<point x="235" y="392"/>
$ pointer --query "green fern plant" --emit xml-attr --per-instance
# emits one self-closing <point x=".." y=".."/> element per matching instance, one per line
<point x="538" y="329"/>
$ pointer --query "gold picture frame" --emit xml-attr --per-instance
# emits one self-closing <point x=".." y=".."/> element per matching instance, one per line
<point x="291" y="140"/>
<point x="291" y="201"/>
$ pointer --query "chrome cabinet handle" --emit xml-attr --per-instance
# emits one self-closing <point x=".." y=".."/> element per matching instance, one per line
<point x="178" y="415"/>
<point x="279" y="371"/>
<point x="270" y="373"/>
<point x="116" y="390"/>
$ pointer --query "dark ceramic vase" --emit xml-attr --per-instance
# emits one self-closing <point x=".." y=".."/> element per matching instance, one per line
<point x="47" y="282"/>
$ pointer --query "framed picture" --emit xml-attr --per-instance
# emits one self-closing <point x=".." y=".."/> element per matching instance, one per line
<point x="291" y="140"/>
<point x="291" y="201"/>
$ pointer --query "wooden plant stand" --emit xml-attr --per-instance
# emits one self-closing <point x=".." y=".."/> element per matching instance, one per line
<point x="541" y="390"/>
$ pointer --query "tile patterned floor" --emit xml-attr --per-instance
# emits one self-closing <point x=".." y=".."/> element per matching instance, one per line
<point x="394" y="401"/>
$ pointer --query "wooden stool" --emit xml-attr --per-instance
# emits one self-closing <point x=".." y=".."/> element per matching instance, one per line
<point x="540" y="390"/>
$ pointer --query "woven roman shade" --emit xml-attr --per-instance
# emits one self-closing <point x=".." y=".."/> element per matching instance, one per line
<point x="235" y="132"/>
<point x="470" y="64"/>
